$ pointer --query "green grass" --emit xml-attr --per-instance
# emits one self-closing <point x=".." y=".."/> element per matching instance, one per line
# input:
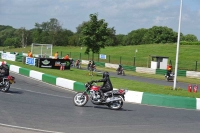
<point x="82" y="76"/>
<point x="188" y="54"/>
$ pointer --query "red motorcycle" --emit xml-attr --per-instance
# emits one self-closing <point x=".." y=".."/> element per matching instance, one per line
<point x="113" y="99"/>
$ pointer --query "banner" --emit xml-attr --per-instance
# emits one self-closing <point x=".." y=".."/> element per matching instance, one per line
<point x="53" y="63"/>
<point x="102" y="56"/>
<point x="30" y="61"/>
<point x="8" y="56"/>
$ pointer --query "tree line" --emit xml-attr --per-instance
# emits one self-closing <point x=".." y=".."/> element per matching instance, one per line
<point x="94" y="33"/>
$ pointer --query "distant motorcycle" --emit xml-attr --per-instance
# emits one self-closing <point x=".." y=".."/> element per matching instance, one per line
<point x="120" y="71"/>
<point x="92" y="68"/>
<point x="113" y="99"/>
<point x="6" y="82"/>
<point x="170" y="77"/>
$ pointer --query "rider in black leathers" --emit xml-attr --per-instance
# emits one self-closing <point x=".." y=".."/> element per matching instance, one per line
<point x="4" y="70"/>
<point x="169" y="71"/>
<point x="107" y="85"/>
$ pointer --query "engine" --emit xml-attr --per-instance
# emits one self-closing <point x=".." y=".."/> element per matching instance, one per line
<point x="95" y="94"/>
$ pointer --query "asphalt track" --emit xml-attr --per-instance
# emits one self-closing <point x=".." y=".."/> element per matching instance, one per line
<point x="35" y="107"/>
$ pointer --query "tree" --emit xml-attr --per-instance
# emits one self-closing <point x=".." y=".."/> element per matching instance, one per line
<point x="94" y="34"/>
<point x="190" y="38"/>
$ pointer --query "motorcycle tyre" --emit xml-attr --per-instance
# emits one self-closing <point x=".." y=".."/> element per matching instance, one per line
<point x="117" y="108"/>
<point x="6" y="87"/>
<point x="84" y="102"/>
<point x="123" y="73"/>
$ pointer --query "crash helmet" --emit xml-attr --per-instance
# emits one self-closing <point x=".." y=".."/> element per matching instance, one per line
<point x="105" y="74"/>
<point x="3" y="63"/>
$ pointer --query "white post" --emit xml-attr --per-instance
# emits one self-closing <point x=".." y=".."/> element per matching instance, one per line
<point x="177" y="49"/>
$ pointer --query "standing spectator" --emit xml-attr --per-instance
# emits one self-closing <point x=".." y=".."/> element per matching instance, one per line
<point x="30" y="54"/>
<point x="56" y="55"/>
<point x="66" y="57"/>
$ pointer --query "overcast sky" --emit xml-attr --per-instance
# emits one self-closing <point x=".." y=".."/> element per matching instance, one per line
<point x="124" y="15"/>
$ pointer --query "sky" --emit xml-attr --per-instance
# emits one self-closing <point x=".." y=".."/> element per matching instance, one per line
<point x="124" y="15"/>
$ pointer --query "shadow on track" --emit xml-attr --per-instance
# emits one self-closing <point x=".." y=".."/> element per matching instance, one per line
<point x="15" y="92"/>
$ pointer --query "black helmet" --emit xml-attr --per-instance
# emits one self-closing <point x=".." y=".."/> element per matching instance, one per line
<point x="105" y="74"/>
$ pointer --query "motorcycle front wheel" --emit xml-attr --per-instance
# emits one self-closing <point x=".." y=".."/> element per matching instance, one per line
<point x="6" y="86"/>
<point x="80" y="99"/>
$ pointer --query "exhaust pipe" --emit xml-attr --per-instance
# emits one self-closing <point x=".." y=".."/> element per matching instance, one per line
<point x="112" y="99"/>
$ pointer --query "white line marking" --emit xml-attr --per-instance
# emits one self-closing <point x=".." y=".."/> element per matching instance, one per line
<point x="41" y="93"/>
<point x="6" y="93"/>
<point x="31" y="129"/>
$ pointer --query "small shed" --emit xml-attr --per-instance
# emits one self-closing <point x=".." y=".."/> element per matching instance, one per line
<point x="159" y="62"/>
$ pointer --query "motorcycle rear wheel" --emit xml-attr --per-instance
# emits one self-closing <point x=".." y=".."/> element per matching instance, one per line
<point x="6" y="86"/>
<point x="116" y="105"/>
<point x="80" y="99"/>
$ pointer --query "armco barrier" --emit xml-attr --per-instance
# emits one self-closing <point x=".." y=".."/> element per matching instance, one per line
<point x="161" y="71"/>
<point x="79" y="87"/>
<point x="101" y="64"/>
<point x="181" y="73"/>
<point x="192" y="74"/>
<point x="24" y="71"/>
<point x="169" y="101"/>
<point x="134" y="96"/>
<point x="36" y="75"/>
<point x="131" y="96"/>
<point x="129" y="68"/>
<point x="49" y="79"/>
<point x="14" y="68"/>
<point x="145" y="70"/>
<point x="198" y="104"/>
<point x="65" y="83"/>
<point x="109" y="65"/>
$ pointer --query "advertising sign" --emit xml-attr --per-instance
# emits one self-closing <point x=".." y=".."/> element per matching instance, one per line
<point x="30" y="61"/>
<point x="102" y="56"/>
<point x="53" y="63"/>
<point x="8" y="56"/>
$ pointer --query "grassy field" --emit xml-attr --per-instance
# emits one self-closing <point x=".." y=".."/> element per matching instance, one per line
<point x="83" y="76"/>
<point x="188" y="54"/>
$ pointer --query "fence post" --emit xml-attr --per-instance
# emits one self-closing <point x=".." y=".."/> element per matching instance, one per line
<point x="109" y="58"/>
<point x="196" y="66"/>
<point x="120" y="59"/>
<point x="134" y="61"/>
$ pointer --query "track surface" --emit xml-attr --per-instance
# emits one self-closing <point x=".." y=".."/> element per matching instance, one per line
<point x="38" y="107"/>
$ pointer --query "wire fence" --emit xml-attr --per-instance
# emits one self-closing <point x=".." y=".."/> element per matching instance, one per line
<point x="132" y="61"/>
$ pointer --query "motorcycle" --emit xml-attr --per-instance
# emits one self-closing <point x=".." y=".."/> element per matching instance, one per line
<point x="169" y="78"/>
<point x="92" y="68"/>
<point x="6" y="82"/>
<point x="120" y="71"/>
<point x="113" y="99"/>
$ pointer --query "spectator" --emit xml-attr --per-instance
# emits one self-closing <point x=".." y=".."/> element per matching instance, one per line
<point x="56" y="55"/>
<point x="30" y="54"/>
<point x="66" y="57"/>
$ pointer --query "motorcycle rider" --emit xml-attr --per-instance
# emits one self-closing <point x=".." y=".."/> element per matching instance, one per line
<point x="107" y="85"/>
<point x="4" y="69"/>
<point x="77" y="62"/>
<point x="169" y="71"/>
<point x="89" y="64"/>
<point x="119" y="67"/>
